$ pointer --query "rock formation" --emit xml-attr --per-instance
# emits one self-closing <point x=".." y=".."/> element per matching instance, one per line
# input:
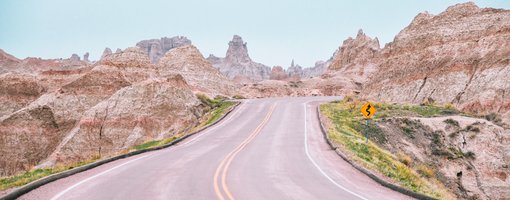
<point x="277" y="73"/>
<point x="156" y="48"/>
<point x="309" y="72"/>
<point x="237" y="64"/>
<point x="74" y="57"/>
<point x="17" y="91"/>
<point x="107" y="51"/>
<point x="350" y="66"/>
<point x="86" y="57"/>
<point x="197" y="72"/>
<point x="460" y="56"/>
<point x="124" y="100"/>
<point x="116" y="124"/>
<point x="7" y="62"/>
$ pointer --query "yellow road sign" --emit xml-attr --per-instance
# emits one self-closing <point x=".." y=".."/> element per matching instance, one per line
<point x="368" y="110"/>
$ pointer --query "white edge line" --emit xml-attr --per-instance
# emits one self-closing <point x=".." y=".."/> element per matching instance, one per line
<point x="97" y="175"/>
<point x="317" y="166"/>
<point x="215" y="127"/>
<point x="109" y="170"/>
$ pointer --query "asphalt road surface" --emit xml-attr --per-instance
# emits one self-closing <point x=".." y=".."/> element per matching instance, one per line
<point x="265" y="149"/>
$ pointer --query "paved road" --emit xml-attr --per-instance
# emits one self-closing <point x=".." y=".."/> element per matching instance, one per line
<point x="265" y="149"/>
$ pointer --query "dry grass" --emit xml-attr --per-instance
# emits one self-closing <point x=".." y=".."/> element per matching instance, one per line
<point x="344" y="116"/>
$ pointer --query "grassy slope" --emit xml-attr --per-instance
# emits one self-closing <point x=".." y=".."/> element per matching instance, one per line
<point x="217" y="109"/>
<point x="347" y="128"/>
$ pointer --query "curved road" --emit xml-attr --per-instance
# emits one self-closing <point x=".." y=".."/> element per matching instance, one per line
<point x="265" y="149"/>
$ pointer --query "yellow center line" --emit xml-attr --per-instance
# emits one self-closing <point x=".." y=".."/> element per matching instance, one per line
<point x="225" y="163"/>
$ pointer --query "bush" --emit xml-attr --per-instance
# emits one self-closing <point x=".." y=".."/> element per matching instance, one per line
<point x="452" y="122"/>
<point x="473" y="129"/>
<point x="470" y="155"/>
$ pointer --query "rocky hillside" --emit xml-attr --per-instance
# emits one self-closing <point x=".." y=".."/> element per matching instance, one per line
<point x="460" y="56"/>
<point x="237" y="64"/>
<point x="432" y="149"/>
<point x="57" y="113"/>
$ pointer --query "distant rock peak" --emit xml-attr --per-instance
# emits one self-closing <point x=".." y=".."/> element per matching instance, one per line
<point x="86" y="57"/>
<point x="75" y="57"/>
<point x="156" y="48"/>
<point x="237" y="51"/>
<point x="107" y="51"/>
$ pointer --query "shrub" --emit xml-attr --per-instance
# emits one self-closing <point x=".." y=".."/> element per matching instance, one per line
<point x="452" y="122"/>
<point x="470" y="155"/>
<point x="425" y="171"/>
<point x="472" y="129"/>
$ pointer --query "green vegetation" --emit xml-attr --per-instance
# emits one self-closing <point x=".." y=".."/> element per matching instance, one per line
<point x="217" y="107"/>
<point x="32" y="175"/>
<point x="398" y="110"/>
<point x="154" y="143"/>
<point x="347" y="130"/>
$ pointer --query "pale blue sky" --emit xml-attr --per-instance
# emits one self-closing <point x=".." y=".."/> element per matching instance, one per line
<point x="276" y="31"/>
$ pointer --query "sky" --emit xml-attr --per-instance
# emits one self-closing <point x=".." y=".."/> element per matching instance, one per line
<point x="276" y="31"/>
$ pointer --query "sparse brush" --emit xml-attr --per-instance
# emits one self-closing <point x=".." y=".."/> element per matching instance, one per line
<point x="449" y="106"/>
<point x="425" y="171"/>
<point x="404" y="158"/>
<point x="428" y="102"/>
<point x="237" y="96"/>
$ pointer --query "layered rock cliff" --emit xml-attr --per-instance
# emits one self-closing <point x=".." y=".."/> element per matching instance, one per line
<point x="460" y="56"/>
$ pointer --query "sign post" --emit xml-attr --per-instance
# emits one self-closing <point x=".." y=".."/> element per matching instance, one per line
<point x="368" y="111"/>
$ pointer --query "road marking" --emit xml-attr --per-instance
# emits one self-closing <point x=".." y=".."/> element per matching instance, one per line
<point x="225" y="163"/>
<point x="92" y="177"/>
<point x="317" y="166"/>
<point x="223" y="122"/>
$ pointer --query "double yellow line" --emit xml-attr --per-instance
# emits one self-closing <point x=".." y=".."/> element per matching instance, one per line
<point x="225" y="163"/>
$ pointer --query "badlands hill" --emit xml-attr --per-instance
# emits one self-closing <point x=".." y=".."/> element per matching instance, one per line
<point x="460" y="56"/>
<point x="67" y="110"/>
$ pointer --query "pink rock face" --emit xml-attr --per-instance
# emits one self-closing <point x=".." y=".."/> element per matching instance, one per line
<point x="123" y="97"/>
<point x="351" y="65"/>
<point x="115" y="124"/>
<point x="7" y="61"/>
<point x="17" y="91"/>
<point x="196" y="70"/>
<point x="461" y="56"/>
